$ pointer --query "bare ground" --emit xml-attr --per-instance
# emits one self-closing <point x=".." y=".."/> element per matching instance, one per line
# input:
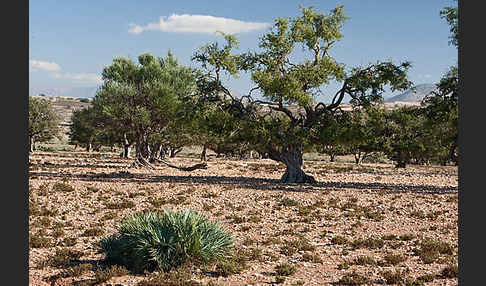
<point x="395" y="208"/>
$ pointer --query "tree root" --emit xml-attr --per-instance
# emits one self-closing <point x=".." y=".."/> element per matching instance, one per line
<point x="190" y="168"/>
<point x="142" y="163"/>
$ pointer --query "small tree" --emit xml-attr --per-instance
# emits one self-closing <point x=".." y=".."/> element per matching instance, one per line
<point x="43" y="121"/>
<point x="441" y="105"/>
<point x="365" y="131"/>
<point x="404" y="132"/>
<point x="217" y="130"/>
<point x="442" y="116"/>
<point x="82" y="130"/>
<point x="330" y="135"/>
<point x="89" y="128"/>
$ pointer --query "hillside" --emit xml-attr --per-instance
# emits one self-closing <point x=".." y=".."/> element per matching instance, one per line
<point x="64" y="107"/>
<point x="413" y="96"/>
<point x="75" y="92"/>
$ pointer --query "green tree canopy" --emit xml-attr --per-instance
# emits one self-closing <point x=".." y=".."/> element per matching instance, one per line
<point x="43" y="121"/>
<point x="441" y="105"/>
<point x="143" y="98"/>
<point x="450" y="14"/>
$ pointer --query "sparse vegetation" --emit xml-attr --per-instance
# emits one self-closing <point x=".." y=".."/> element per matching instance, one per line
<point x="123" y="204"/>
<point x="394" y="277"/>
<point x="450" y="271"/>
<point x="63" y="257"/>
<point x="308" y="228"/>
<point x="353" y="278"/>
<point x="394" y="259"/>
<point x="365" y="260"/>
<point x="288" y="202"/>
<point x="370" y="242"/>
<point x="94" y="231"/>
<point x="339" y="239"/>
<point x="103" y="275"/>
<point x="77" y="270"/>
<point x="39" y="241"/>
<point x="62" y="187"/>
<point x="232" y="264"/>
<point x="429" y="250"/>
<point x="285" y="269"/>
<point x="314" y="258"/>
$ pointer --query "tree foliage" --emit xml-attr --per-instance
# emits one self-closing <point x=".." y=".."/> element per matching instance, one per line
<point x="142" y="99"/>
<point x="85" y="129"/>
<point x="442" y="115"/>
<point x="43" y="121"/>
<point x="441" y="106"/>
<point x="450" y="14"/>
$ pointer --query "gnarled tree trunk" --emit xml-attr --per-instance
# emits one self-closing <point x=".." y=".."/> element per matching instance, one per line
<point x="31" y="144"/>
<point x="291" y="156"/>
<point x="155" y="152"/>
<point x="400" y="164"/>
<point x="203" y="153"/>
<point x="332" y="157"/>
<point x="126" y="151"/>
<point x="126" y="146"/>
<point x="173" y="151"/>
<point x="357" y="157"/>
<point x="142" y="153"/>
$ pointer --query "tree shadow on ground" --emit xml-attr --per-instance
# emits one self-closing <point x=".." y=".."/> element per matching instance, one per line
<point x="67" y="165"/>
<point x="266" y="184"/>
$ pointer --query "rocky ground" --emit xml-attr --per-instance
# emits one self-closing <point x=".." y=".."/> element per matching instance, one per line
<point x="370" y="224"/>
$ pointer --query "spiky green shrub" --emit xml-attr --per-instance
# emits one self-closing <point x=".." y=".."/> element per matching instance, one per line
<point x="165" y="240"/>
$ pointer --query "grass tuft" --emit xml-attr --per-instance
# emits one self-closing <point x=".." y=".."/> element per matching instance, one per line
<point x="450" y="271"/>
<point x="287" y="202"/>
<point x="62" y="187"/>
<point x="394" y="277"/>
<point x="285" y="269"/>
<point x="353" y="278"/>
<point x="165" y="240"/>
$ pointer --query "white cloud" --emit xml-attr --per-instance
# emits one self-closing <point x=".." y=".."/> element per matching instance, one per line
<point x="84" y="77"/>
<point x="206" y="24"/>
<point x="46" y="66"/>
<point x="54" y="69"/>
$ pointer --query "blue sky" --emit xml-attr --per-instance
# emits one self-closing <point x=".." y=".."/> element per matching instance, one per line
<point x="71" y="41"/>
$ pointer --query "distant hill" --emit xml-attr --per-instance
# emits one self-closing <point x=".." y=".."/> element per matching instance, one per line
<point x="64" y="106"/>
<point x="413" y="96"/>
<point x="75" y="92"/>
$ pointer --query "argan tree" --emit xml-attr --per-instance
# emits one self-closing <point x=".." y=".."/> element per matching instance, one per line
<point x="82" y="130"/>
<point x="365" y="131"/>
<point x="43" y="121"/>
<point x="404" y="134"/>
<point x="441" y="105"/>
<point x="330" y="135"/>
<point x="442" y="114"/>
<point x="281" y="119"/>
<point x="89" y="128"/>
<point x="143" y="97"/>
